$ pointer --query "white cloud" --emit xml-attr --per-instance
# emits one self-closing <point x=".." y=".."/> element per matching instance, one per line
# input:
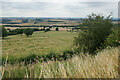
<point x="58" y="1"/>
<point x="53" y="9"/>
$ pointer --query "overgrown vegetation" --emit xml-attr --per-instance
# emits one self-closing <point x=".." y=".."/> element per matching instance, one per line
<point x="95" y="30"/>
<point x="113" y="38"/>
<point x="104" y="65"/>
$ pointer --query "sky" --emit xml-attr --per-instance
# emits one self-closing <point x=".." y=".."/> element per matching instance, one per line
<point x="55" y="8"/>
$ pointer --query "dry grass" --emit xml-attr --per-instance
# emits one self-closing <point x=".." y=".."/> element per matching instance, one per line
<point x="103" y="65"/>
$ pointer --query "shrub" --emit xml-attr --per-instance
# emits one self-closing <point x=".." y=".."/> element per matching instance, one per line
<point x="50" y="27"/>
<point x="15" y="32"/>
<point x="57" y="29"/>
<point x="42" y="29"/>
<point x="67" y="54"/>
<point x="46" y="30"/>
<point x="8" y="29"/>
<point x="4" y="32"/>
<point x="12" y="32"/>
<point x="112" y="40"/>
<point x="19" y="31"/>
<point x="28" y="31"/>
<point x="36" y="29"/>
<point x="95" y="30"/>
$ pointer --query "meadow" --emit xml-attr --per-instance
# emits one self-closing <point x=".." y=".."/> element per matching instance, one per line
<point x="40" y="43"/>
<point x="90" y="51"/>
<point x="104" y="65"/>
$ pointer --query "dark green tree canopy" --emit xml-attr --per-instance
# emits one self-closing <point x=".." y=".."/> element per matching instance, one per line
<point x="46" y="30"/>
<point x="57" y="29"/>
<point x="28" y="31"/>
<point x="19" y="31"/>
<point x="95" y="30"/>
<point x="4" y="32"/>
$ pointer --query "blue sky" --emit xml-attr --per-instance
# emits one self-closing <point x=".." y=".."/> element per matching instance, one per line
<point x="53" y="8"/>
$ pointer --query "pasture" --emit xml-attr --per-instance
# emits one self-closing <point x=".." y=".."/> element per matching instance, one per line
<point x="51" y="54"/>
<point x="40" y="43"/>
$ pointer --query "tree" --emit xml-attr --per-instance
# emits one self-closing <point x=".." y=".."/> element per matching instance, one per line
<point x="19" y="31"/>
<point x="4" y="32"/>
<point x="95" y="30"/>
<point x="46" y="30"/>
<point x="57" y="29"/>
<point x="113" y="39"/>
<point x="28" y="31"/>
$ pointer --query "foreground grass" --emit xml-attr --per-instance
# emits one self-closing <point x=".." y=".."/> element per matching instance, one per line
<point x="103" y="65"/>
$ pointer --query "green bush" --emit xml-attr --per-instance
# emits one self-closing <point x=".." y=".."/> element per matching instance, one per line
<point x="46" y="30"/>
<point x="36" y="29"/>
<point x="113" y="39"/>
<point x="19" y="31"/>
<point x="95" y="30"/>
<point x="12" y="32"/>
<point x="57" y="29"/>
<point x="15" y="32"/>
<point x="67" y="54"/>
<point x="4" y="32"/>
<point x="28" y="31"/>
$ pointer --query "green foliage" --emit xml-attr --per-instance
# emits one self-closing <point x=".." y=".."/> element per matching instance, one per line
<point x="19" y="31"/>
<point x="113" y="39"/>
<point x="12" y="32"/>
<point x="15" y="32"/>
<point x="57" y="29"/>
<point x="95" y="30"/>
<point x="67" y="54"/>
<point x="28" y="31"/>
<point x="4" y="32"/>
<point x="36" y="29"/>
<point x="46" y="30"/>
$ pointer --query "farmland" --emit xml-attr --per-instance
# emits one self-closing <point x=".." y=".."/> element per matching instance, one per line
<point x="59" y="39"/>
<point x="54" y="54"/>
<point x="40" y="21"/>
<point x="40" y="43"/>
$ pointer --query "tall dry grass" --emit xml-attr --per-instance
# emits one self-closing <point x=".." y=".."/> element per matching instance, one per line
<point x="103" y="65"/>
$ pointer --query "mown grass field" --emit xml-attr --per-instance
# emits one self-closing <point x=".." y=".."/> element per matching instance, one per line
<point x="40" y="43"/>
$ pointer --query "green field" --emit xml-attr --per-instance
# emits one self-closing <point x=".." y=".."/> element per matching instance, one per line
<point x="40" y="43"/>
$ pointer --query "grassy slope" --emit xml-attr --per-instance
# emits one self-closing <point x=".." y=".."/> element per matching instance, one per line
<point x="104" y="65"/>
<point x="39" y="43"/>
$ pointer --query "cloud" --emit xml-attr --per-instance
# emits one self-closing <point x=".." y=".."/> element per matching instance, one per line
<point x="58" y="1"/>
<point x="53" y="9"/>
<point x="85" y="8"/>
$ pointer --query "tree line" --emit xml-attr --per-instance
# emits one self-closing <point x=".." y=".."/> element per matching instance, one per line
<point x="26" y="31"/>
